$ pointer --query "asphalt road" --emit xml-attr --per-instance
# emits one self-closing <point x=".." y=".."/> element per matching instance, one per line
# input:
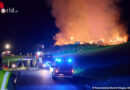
<point x="102" y="69"/>
<point x="42" y="80"/>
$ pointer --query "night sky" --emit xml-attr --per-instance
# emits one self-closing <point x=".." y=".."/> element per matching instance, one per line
<point x="34" y="24"/>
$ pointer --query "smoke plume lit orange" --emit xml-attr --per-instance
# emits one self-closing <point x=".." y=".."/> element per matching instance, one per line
<point x="88" y="21"/>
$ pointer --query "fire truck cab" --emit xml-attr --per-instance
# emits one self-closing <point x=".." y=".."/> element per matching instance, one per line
<point x="44" y="60"/>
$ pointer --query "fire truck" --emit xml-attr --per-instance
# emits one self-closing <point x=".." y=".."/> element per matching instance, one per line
<point x="44" y="60"/>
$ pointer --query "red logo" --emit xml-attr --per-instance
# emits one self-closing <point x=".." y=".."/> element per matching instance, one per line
<point x="1" y="5"/>
<point x="7" y="10"/>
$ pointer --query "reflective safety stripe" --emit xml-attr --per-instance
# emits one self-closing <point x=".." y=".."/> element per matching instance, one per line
<point x="4" y="81"/>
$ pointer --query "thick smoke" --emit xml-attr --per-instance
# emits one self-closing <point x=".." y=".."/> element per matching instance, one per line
<point x="88" y="21"/>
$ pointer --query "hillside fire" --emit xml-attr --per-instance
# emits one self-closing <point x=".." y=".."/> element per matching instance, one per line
<point x="88" y="21"/>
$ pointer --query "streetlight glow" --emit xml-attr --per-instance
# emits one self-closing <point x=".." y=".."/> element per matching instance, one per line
<point x="7" y="46"/>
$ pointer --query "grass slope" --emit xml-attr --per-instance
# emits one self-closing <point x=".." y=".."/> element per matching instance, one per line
<point x="12" y="59"/>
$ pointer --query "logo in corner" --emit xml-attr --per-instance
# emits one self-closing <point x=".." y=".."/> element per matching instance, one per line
<point x="8" y="10"/>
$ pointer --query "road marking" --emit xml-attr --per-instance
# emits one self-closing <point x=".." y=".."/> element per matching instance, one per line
<point x="4" y="81"/>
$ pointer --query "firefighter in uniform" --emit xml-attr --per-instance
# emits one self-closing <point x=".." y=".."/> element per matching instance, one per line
<point x="6" y="79"/>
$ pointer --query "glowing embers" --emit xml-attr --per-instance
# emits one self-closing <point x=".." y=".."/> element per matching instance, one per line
<point x="102" y="41"/>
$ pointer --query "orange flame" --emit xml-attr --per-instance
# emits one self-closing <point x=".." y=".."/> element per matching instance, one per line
<point x="88" y="21"/>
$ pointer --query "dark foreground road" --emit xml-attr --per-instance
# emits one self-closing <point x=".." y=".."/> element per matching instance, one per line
<point x="41" y="80"/>
<point x="108" y="68"/>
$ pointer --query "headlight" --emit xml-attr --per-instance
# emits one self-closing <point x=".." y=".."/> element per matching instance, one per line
<point x="44" y="65"/>
<point x="13" y="66"/>
<point x="51" y="69"/>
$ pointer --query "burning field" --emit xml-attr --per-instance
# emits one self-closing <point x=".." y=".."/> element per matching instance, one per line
<point x="88" y="21"/>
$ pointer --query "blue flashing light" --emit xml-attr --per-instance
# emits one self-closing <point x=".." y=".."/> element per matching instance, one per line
<point x="46" y="63"/>
<point x="70" y="60"/>
<point x="57" y="59"/>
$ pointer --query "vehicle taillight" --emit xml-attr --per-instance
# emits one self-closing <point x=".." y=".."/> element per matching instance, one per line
<point x="56" y="71"/>
<point x="72" y="70"/>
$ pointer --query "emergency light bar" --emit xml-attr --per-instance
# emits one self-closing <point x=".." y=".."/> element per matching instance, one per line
<point x="70" y="60"/>
<point x="58" y="59"/>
